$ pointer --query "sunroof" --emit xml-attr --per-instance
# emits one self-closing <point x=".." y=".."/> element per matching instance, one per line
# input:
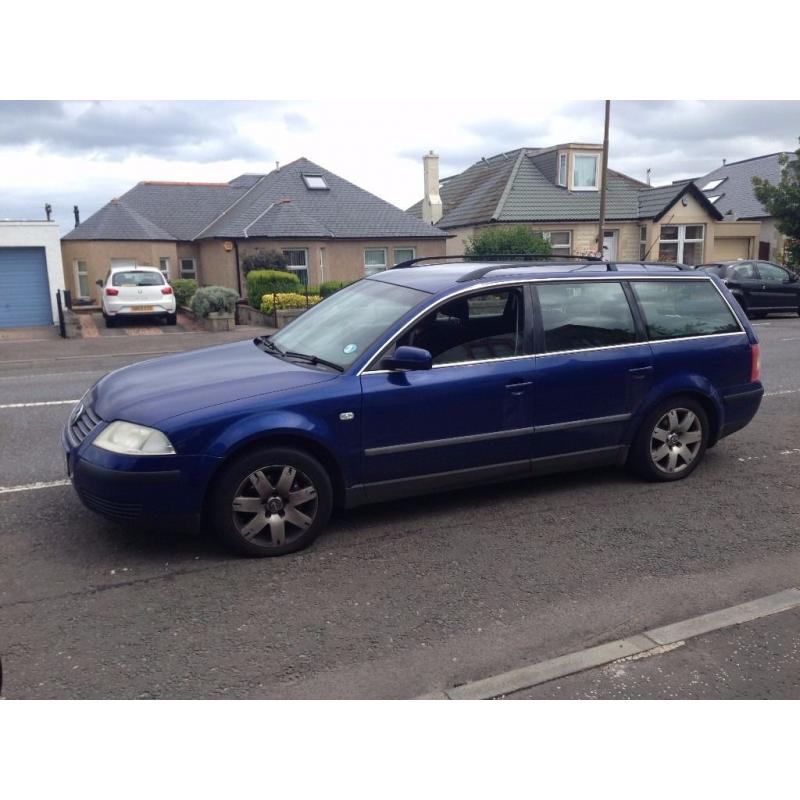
<point x="712" y="185"/>
<point x="315" y="182"/>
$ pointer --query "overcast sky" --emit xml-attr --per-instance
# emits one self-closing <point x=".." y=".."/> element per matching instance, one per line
<point x="83" y="153"/>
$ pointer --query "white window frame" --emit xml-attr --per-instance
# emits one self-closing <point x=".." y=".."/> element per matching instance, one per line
<point x="372" y="269"/>
<point x="712" y="185"/>
<point x="563" y="162"/>
<point x="309" y="178"/>
<point x="682" y="240"/>
<point x="394" y="253"/>
<point x="76" y="266"/>
<point x="298" y="267"/>
<point x="557" y="247"/>
<point x="164" y="270"/>
<point x="181" y="271"/>
<point x="596" y="158"/>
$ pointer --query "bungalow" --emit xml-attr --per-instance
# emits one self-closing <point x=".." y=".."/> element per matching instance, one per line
<point x="326" y="227"/>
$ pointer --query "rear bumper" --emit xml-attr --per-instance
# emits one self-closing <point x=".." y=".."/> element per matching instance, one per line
<point x="740" y="407"/>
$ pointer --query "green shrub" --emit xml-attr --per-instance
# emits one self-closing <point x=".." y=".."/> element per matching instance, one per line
<point x="267" y="281"/>
<point x="281" y="300"/>
<point x="264" y="259"/>
<point x="214" y="299"/>
<point x="327" y="288"/>
<point x="184" y="289"/>
<point x="507" y="240"/>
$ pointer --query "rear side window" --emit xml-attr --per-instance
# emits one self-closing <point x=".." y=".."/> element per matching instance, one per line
<point x="577" y="316"/>
<point x="674" y="309"/>
<point x="743" y="272"/>
<point x="137" y="279"/>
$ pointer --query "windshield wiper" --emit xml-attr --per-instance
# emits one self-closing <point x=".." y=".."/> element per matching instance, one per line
<point x="314" y="360"/>
<point x="265" y="343"/>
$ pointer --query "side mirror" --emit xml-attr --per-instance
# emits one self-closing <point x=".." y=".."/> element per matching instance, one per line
<point x="99" y="282"/>
<point x="408" y="358"/>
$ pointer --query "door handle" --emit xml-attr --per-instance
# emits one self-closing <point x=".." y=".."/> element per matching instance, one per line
<point x="517" y="387"/>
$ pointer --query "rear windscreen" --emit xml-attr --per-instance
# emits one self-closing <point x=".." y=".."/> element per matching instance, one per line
<point x="674" y="309"/>
<point x="137" y="279"/>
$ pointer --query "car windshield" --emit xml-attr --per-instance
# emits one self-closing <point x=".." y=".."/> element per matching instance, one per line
<point x="343" y="326"/>
<point x="137" y="279"/>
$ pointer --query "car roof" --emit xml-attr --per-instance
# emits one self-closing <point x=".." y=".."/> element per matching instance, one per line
<point x="137" y="268"/>
<point x="438" y="277"/>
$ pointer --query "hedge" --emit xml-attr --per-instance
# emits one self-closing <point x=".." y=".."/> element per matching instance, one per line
<point x="282" y="300"/>
<point x="267" y="281"/>
<point x="214" y="298"/>
<point x="184" y="289"/>
<point x="327" y="288"/>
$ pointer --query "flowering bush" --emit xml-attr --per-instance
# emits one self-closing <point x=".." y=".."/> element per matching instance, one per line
<point x="282" y="300"/>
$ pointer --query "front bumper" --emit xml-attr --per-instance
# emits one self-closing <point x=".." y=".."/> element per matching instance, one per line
<point x="132" y="487"/>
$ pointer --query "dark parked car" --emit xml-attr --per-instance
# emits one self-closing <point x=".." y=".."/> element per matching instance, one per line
<point x="760" y="287"/>
<point x="416" y="380"/>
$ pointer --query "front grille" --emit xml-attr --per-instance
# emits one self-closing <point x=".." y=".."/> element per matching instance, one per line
<point x="81" y="424"/>
<point x="109" y="508"/>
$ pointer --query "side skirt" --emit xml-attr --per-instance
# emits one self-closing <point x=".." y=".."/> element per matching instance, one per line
<point x="457" y="479"/>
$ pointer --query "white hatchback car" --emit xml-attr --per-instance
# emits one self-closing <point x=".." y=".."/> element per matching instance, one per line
<point x="136" y="292"/>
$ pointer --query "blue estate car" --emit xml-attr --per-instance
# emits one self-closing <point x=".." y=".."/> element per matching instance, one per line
<point x="421" y="379"/>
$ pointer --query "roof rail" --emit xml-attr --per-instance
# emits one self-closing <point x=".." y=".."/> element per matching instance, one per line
<point x="412" y="262"/>
<point x="608" y="266"/>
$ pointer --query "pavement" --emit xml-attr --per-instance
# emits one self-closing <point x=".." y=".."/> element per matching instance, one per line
<point x="394" y="600"/>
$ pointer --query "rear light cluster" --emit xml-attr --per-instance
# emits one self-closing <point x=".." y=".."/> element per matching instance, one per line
<point x="755" y="362"/>
<point x="166" y="290"/>
<point x="112" y="292"/>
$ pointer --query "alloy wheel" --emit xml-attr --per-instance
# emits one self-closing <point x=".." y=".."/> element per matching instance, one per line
<point x="274" y="505"/>
<point x="676" y="440"/>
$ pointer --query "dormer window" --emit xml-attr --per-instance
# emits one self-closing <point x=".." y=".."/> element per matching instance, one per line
<point x="562" y="169"/>
<point x="584" y="172"/>
<point x="315" y="182"/>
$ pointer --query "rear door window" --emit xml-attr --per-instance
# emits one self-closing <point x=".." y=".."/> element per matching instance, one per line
<point x="582" y="315"/>
<point x="137" y="279"/>
<point x="675" y="309"/>
<point x="772" y="274"/>
<point x="743" y="272"/>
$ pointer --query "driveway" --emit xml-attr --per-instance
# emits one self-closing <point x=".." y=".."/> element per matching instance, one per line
<point x="394" y="600"/>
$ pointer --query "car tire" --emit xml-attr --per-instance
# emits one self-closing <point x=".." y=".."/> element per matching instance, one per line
<point x="251" y="507"/>
<point x="671" y="441"/>
<point x="172" y="319"/>
<point x="110" y="321"/>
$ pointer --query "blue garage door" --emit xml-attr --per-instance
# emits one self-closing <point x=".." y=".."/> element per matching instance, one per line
<point x="24" y="288"/>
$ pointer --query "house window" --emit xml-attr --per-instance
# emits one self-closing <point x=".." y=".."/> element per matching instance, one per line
<point x="642" y="242"/>
<point x="189" y="268"/>
<point x="297" y="262"/>
<point x="714" y="197"/>
<point x="584" y="172"/>
<point x="712" y="185"/>
<point x="681" y="243"/>
<point x="403" y="254"/>
<point x="163" y="265"/>
<point x="562" y="169"/>
<point x="315" y="182"/>
<point x="82" y="280"/>
<point x="374" y="260"/>
<point x="560" y="242"/>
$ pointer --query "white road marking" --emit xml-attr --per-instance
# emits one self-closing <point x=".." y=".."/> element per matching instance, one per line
<point x="27" y="487"/>
<point x="780" y="392"/>
<point x="42" y="403"/>
<point x="791" y="339"/>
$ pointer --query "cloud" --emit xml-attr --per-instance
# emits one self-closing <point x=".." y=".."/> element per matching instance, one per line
<point x="297" y="123"/>
<point x="200" y="132"/>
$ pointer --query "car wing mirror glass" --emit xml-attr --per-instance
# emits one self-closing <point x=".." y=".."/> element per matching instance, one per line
<point x="408" y="358"/>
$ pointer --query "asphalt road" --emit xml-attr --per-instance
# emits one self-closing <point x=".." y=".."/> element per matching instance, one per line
<point x="394" y="600"/>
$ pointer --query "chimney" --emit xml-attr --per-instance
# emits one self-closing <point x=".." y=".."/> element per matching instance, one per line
<point x="431" y="202"/>
<point x="648" y="175"/>
<point x="77" y="214"/>
<point x="724" y="161"/>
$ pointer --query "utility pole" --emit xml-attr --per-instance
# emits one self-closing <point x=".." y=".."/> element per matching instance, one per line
<point x="603" y="182"/>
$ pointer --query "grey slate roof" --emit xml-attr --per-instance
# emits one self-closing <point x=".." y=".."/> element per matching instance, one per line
<point x="278" y="204"/>
<point x="737" y="200"/>
<point x="519" y="186"/>
<point x="117" y="220"/>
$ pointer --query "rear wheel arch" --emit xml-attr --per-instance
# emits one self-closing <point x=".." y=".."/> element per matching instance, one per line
<point x="712" y="410"/>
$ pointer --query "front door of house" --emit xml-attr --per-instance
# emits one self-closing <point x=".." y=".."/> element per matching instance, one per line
<point x="610" y="245"/>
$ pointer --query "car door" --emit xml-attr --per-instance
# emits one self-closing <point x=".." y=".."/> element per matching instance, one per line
<point x="469" y="417"/>
<point x="779" y="288"/>
<point x="593" y="369"/>
<point x="744" y="282"/>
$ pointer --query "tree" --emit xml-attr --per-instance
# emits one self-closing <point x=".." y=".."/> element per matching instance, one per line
<point x="782" y="201"/>
<point x="507" y="240"/>
<point x="264" y="259"/>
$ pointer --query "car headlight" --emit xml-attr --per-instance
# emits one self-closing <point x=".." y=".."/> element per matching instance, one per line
<point x="133" y="440"/>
